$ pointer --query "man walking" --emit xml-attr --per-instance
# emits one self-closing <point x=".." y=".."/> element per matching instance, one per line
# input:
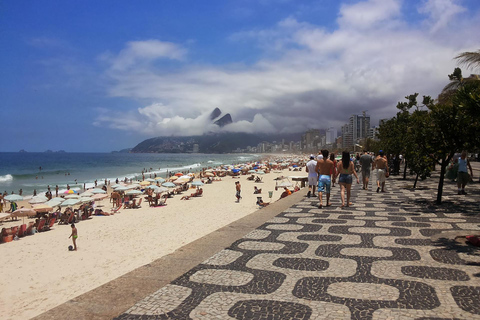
<point x="366" y="161"/>
<point x="381" y="165"/>
<point x="238" y="187"/>
<point x="312" y="175"/>
<point x="462" y="175"/>
<point x="324" y="168"/>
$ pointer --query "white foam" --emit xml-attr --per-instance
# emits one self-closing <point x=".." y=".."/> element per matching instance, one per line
<point x="6" y="178"/>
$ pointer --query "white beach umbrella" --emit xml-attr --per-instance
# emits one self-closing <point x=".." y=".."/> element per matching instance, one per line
<point x="133" y="192"/>
<point x="54" y="202"/>
<point x="160" y="190"/>
<point x="13" y="197"/>
<point x="100" y="196"/>
<point x="86" y="199"/>
<point x="38" y="199"/>
<point x="160" y="179"/>
<point x="96" y="190"/>
<point x="284" y="184"/>
<point x="87" y="193"/>
<point x="169" y="184"/>
<point x="145" y="183"/>
<point x="72" y="196"/>
<point x="4" y="215"/>
<point x="150" y="179"/>
<point x="70" y="202"/>
<point x="122" y="188"/>
<point x="197" y="183"/>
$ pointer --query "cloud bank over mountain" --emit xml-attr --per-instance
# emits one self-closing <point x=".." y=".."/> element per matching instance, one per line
<point x="305" y="76"/>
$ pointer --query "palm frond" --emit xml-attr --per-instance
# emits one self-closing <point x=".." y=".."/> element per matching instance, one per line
<point x="469" y="59"/>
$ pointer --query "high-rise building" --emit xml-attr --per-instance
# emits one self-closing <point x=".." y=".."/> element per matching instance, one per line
<point x="331" y="135"/>
<point x="356" y="129"/>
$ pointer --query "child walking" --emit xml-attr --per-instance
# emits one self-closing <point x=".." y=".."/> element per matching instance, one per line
<point x="74" y="237"/>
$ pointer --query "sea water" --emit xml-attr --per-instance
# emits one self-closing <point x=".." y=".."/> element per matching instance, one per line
<point x="36" y="171"/>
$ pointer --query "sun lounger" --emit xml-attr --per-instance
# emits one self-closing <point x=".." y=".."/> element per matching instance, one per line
<point x="30" y="228"/>
<point x="41" y="224"/>
<point x="22" y="231"/>
<point x="50" y="225"/>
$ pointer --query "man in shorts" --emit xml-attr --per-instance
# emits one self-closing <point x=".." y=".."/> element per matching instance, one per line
<point x="366" y="161"/>
<point x="462" y="175"/>
<point x="381" y="164"/>
<point x="324" y="168"/>
<point x="312" y="176"/>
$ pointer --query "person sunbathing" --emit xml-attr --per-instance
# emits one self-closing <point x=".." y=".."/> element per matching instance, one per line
<point x="186" y="197"/>
<point x="261" y="203"/>
<point x="256" y="190"/>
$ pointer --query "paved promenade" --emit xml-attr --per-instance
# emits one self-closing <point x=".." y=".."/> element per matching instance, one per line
<point x="392" y="255"/>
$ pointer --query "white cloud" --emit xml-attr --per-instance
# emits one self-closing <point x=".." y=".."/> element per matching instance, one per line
<point x="440" y="13"/>
<point x="141" y="52"/>
<point x="309" y="77"/>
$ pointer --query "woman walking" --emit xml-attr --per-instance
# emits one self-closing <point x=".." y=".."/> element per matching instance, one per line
<point x="345" y="169"/>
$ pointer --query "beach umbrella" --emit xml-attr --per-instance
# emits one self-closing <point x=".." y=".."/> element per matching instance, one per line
<point x="122" y="188"/>
<point x="86" y="199"/>
<point x="54" y="202"/>
<point x="38" y="199"/>
<point x="72" y="196"/>
<point x="284" y="184"/>
<point x="70" y="191"/>
<point x="168" y="184"/>
<point x="13" y="197"/>
<point x="160" y="179"/>
<point x="152" y="187"/>
<point x="133" y="192"/>
<point x="135" y="185"/>
<point x="42" y="207"/>
<point x="173" y="178"/>
<point x="209" y="174"/>
<point x="197" y="183"/>
<point x="23" y="212"/>
<point x="179" y="174"/>
<point x="150" y="179"/>
<point x="4" y="215"/>
<point x="87" y="193"/>
<point x="95" y="191"/>
<point x="70" y="202"/>
<point x="99" y="196"/>
<point x="252" y="171"/>
<point x="160" y="190"/>
<point x="260" y="172"/>
<point x="145" y="183"/>
<point x="113" y="186"/>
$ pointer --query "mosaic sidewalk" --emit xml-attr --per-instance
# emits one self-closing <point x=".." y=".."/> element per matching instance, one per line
<point x="384" y="258"/>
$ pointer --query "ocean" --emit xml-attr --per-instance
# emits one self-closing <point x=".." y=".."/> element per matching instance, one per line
<point x="36" y="171"/>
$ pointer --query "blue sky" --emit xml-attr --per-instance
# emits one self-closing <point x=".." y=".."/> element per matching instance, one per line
<point x="105" y="75"/>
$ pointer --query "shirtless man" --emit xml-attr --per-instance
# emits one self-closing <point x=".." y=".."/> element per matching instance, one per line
<point x="381" y="164"/>
<point x="324" y="168"/>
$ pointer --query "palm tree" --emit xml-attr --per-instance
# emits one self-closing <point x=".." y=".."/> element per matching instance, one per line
<point x="469" y="59"/>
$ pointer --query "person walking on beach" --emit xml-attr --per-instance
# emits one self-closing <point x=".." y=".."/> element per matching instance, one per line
<point x="74" y="237"/>
<point x="346" y="168"/>
<point x="366" y="161"/>
<point x="462" y="175"/>
<point x="381" y="164"/>
<point x="312" y="175"/>
<point x="1" y="202"/>
<point x="56" y="191"/>
<point x="324" y="168"/>
<point x="238" y="187"/>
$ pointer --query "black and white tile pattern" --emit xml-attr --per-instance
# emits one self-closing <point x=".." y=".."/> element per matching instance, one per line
<point x="376" y="260"/>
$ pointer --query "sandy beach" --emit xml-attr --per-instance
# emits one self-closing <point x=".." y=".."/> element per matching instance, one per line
<point x="39" y="272"/>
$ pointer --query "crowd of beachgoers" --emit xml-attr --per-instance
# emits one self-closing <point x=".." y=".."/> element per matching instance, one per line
<point x="149" y="219"/>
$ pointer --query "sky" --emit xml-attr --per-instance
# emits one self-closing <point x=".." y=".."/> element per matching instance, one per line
<point x="98" y="76"/>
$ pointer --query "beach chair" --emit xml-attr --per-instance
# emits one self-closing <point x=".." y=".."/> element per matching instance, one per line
<point x="41" y="224"/>
<point x="30" y="228"/>
<point x="22" y="231"/>
<point x="71" y="218"/>
<point x="50" y="225"/>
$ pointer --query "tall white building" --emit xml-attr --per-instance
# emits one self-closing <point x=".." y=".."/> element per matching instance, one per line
<point x="331" y="135"/>
<point x="357" y="128"/>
